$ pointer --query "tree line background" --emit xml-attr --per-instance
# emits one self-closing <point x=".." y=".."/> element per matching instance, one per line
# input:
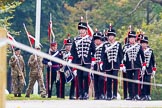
<point x="141" y="14"/>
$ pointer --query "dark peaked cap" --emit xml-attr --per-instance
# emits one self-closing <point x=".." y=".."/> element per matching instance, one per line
<point x="97" y="35"/>
<point x="82" y="25"/>
<point x="132" y="34"/>
<point x="144" y="39"/>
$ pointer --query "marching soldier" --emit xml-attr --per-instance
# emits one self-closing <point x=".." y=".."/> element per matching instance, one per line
<point x="138" y="38"/>
<point x="18" y="72"/>
<point x="133" y="56"/>
<point x="82" y="51"/>
<point x="36" y="74"/>
<point x="67" y="73"/>
<point x="98" y="80"/>
<point x="53" y="70"/>
<point x="150" y="68"/>
<point x="62" y="79"/>
<point x="125" y="83"/>
<point x="104" y="39"/>
<point x="111" y="57"/>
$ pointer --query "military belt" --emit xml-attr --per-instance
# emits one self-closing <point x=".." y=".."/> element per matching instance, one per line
<point x="55" y="65"/>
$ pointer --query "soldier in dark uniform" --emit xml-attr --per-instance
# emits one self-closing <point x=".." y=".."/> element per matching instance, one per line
<point x="62" y="75"/>
<point x="125" y="83"/>
<point x="104" y="39"/>
<point x="83" y="49"/>
<point x="133" y="56"/>
<point x="98" y="80"/>
<point x="150" y="68"/>
<point x="138" y="39"/>
<point x="52" y="70"/>
<point x="111" y="57"/>
<point x="66" y="74"/>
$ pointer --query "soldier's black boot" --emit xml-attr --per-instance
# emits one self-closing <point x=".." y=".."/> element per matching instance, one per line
<point x="43" y="96"/>
<point x="96" y="97"/>
<point x="143" y="98"/>
<point x="136" y="97"/>
<point x="109" y="98"/>
<point x="114" y="97"/>
<point x="80" y="97"/>
<point x="148" y="97"/>
<point x="129" y="98"/>
<point x="19" y="95"/>
<point x="27" y="96"/>
<point x="72" y="98"/>
<point x="102" y="97"/>
<point x="15" y="95"/>
<point x="86" y="96"/>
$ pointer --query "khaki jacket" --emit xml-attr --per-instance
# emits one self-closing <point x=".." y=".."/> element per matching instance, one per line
<point x="17" y="65"/>
<point x="35" y="65"/>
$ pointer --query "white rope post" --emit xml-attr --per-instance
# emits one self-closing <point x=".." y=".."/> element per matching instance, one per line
<point x="37" y="35"/>
<point x="3" y="71"/>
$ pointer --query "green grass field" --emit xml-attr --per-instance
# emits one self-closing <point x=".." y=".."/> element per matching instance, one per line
<point x="36" y="97"/>
<point x="32" y="97"/>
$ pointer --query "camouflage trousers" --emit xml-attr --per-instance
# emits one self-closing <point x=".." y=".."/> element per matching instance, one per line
<point x="17" y="84"/>
<point x="32" y="79"/>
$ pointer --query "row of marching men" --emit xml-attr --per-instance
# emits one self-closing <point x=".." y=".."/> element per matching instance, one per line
<point x="101" y="53"/>
<point x="104" y="54"/>
<point x="139" y="65"/>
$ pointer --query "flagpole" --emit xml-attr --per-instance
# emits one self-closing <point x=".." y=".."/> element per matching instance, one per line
<point x="50" y="71"/>
<point x="37" y="35"/>
<point x="27" y="35"/>
<point x="37" y="25"/>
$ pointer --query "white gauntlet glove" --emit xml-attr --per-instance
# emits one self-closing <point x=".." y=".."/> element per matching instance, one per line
<point x="122" y="68"/>
<point x="70" y="58"/>
<point x="93" y="62"/>
<point x="153" y="71"/>
<point x="144" y="67"/>
<point x="49" y="63"/>
<point x="101" y="65"/>
<point x="142" y="73"/>
<point x="74" y="71"/>
<point x="153" y="74"/>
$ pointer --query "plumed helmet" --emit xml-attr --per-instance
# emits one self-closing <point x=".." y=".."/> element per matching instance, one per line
<point x="144" y="39"/>
<point x="97" y="35"/>
<point x="68" y="41"/>
<point x="53" y="43"/>
<point x="82" y="25"/>
<point x="111" y="31"/>
<point x="131" y="34"/>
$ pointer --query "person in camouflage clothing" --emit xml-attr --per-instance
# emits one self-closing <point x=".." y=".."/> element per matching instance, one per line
<point x="36" y="74"/>
<point x="18" y="72"/>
